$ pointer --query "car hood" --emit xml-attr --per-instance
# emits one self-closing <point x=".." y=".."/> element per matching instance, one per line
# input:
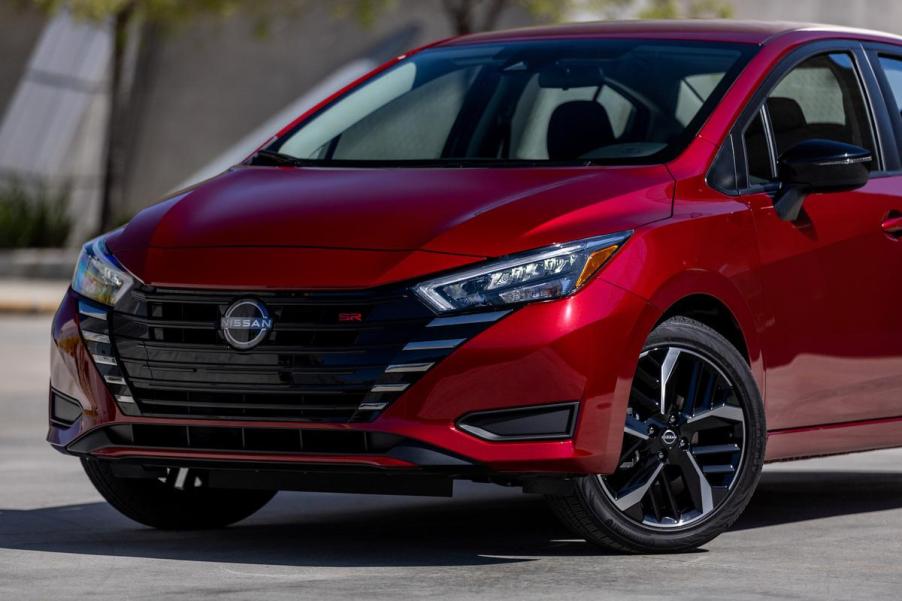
<point x="378" y="225"/>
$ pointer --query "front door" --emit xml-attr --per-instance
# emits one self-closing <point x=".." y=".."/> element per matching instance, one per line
<point x="833" y="345"/>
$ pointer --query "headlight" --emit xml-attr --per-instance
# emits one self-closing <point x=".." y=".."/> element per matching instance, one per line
<point x="98" y="275"/>
<point x="537" y="275"/>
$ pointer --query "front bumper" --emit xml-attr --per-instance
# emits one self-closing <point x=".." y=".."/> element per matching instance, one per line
<point x="581" y="350"/>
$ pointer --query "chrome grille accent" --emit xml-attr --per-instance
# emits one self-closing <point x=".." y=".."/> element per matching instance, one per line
<point x="94" y="326"/>
<point x="432" y="345"/>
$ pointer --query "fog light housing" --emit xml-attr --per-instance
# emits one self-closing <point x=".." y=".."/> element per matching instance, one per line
<point x="64" y="411"/>
<point x="541" y="422"/>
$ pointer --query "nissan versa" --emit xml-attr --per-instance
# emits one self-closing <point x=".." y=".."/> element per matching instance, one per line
<point x="620" y="265"/>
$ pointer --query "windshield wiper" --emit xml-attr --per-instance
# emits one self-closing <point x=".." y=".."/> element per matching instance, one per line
<point x="275" y="159"/>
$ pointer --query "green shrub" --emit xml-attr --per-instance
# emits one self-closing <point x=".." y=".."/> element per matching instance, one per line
<point x="33" y="217"/>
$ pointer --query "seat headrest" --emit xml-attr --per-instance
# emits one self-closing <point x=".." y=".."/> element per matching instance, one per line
<point x="578" y="127"/>
<point x="786" y="114"/>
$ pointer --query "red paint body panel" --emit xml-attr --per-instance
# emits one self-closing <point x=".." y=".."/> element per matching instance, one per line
<point x="284" y="268"/>
<point x="834" y="439"/>
<point x="833" y="350"/>
<point x="708" y="248"/>
<point x="440" y="210"/>
<point x="816" y="302"/>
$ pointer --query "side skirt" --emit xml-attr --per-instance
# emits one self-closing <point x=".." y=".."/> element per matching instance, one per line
<point x="834" y="439"/>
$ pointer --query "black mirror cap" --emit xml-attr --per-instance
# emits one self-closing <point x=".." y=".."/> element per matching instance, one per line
<point x="819" y="165"/>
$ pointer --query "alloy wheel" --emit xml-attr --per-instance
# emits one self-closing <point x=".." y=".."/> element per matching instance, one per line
<point x="683" y="443"/>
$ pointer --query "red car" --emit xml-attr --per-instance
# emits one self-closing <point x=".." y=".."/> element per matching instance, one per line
<point x="621" y="265"/>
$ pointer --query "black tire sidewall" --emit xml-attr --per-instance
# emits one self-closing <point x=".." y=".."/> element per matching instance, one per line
<point x="150" y="502"/>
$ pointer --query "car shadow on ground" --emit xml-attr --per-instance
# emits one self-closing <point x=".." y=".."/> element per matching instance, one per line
<point x="483" y="526"/>
<point x="788" y="497"/>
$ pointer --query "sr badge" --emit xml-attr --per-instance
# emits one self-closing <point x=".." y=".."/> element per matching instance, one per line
<point x="246" y="324"/>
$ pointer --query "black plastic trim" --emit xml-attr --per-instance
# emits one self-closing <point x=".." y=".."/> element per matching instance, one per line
<point x="722" y="176"/>
<point x="875" y="52"/>
<point x="536" y="422"/>
<point x="252" y="440"/>
<point x="59" y="405"/>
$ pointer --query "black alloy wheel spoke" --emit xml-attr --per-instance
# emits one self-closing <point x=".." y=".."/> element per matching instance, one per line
<point x="638" y="484"/>
<point x="636" y="428"/>
<point x="718" y="417"/>
<point x="667" y="486"/>
<point x="171" y="476"/>
<point x="697" y="484"/>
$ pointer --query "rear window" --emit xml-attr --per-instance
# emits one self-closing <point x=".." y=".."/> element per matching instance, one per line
<point x="552" y="101"/>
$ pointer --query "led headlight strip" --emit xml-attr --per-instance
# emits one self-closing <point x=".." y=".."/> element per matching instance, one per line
<point x="542" y="274"/>
<point x="98" y="275"/>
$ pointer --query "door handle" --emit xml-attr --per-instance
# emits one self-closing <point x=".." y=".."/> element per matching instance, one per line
<point x="892" y="225"/>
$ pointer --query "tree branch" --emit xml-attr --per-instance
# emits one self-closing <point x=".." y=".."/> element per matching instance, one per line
<point x="461" y="15"/>
<point x="493" y="14"/>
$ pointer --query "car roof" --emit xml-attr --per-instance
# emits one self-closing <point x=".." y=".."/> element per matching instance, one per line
<point x="726" y="30"/>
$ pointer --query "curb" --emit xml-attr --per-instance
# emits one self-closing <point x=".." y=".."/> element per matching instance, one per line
<point x="25" y="307"/>
<point x="31" y="297"/>
<point x="37" y="263"/>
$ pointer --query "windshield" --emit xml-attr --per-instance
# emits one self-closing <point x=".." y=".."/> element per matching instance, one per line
<point x="606" y="101"/>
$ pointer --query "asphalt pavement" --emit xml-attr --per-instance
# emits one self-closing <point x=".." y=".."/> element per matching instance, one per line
<point x="825" y="529"/>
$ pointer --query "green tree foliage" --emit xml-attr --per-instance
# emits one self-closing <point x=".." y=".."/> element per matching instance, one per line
<point x="468" y="16"/>
<point x="32" y="216"/>
<point x="159" y="11"/>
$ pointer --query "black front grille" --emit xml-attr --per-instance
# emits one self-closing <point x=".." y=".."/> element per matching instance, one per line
<point x="324" y="355"/>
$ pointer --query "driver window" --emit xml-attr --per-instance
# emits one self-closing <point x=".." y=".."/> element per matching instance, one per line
<point x="820" y="98"/>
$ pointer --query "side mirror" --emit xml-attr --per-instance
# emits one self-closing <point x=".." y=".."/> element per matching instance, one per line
<point x="818" y="166"/>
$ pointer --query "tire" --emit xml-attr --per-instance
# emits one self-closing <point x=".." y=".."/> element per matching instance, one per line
<point x="675" y="495"/>
<point x="159" y="503"/>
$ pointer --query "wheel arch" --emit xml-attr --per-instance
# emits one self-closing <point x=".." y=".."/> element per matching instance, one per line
<point x="712" y="312"/>
<point x="717" y="302"/>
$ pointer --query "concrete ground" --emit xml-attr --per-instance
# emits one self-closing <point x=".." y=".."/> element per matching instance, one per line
<point x="826" y="529"/>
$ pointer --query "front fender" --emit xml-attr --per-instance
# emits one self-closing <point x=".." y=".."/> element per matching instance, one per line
<point x="713" y="254"/>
